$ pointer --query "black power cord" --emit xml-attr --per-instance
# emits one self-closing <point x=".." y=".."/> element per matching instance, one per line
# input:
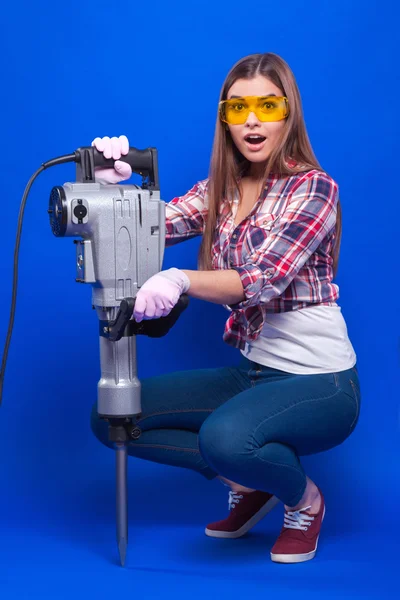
<point x="51" y="163"/>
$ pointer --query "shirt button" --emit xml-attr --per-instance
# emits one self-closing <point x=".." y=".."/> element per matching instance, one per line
<point x="234" y="236"/>
<point x="269" y="273"/>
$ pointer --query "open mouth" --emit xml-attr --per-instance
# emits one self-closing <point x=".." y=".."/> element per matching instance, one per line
<point x="254" y="139"/>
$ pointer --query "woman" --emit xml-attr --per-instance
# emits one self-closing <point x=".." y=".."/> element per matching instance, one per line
<point x="271" y="224"/>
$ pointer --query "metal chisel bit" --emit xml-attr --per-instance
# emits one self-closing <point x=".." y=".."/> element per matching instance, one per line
<point x="122" y="500"/>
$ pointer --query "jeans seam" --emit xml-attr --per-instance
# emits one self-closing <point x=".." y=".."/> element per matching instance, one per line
<point x="174" y="412"/>
<point x="357" y="403"/>
<point x="297" y="470"/>
<point x="296" y="404"/>
<point x="176" y="449"/>
<point x="164" y="447"/>
<point x="277" y="464"/>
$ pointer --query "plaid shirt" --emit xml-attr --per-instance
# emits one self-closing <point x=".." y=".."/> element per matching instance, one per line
<point x="281" y="250"/>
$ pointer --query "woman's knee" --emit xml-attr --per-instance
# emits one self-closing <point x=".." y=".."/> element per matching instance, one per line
<point x="222" y="443"/>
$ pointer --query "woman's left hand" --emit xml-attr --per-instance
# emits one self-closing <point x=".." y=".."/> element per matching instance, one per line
<point x="159" y="294"/>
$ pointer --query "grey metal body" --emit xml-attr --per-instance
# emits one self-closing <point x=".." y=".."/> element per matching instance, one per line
<point x="123" y="240"/>
<point x="123" y="245"/>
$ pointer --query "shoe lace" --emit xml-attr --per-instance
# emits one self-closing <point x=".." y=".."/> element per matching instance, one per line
<point x="297" y="520"/>
<point x="234" y="498"/>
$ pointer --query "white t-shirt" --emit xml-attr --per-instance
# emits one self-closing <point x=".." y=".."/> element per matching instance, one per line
<point x="306" y="341"/>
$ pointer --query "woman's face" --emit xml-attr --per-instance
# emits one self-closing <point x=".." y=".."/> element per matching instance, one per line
<point x="258" y="150"/>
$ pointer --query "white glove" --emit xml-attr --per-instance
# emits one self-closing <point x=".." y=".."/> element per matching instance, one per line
<point x="159" y="294"/>
<point x="113" y="148"/>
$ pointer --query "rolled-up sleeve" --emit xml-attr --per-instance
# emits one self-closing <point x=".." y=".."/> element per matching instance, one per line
<point x="185" y="215"/>
<point x="310" y="216"/>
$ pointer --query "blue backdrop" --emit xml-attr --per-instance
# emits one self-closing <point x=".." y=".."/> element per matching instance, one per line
<point x="72" y="71"/>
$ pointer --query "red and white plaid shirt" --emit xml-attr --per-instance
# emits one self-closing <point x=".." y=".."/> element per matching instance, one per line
<point x="281" y="250"/>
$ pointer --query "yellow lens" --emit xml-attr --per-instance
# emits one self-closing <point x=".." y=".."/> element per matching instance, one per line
<point x="271" y="108"/>
<point x="236" y="111"/>
<point x="266" y="108"/>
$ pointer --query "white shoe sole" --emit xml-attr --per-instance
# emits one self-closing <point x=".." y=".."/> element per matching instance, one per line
<point x="297" y="558"/>
<point x="264" y="510"/>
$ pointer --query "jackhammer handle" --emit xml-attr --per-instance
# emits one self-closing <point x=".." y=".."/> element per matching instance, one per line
<point x="144" y="162"/>
<point x="123" y="325"/>
<point x="139" y="160"/>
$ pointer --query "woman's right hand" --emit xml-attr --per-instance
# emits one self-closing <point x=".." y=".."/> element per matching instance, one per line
<point x="113" y="148"/>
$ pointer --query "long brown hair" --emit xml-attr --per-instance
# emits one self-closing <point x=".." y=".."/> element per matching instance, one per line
<point x="227" y="163"/>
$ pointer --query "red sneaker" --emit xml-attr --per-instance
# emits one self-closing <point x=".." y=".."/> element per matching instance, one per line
<point x="298" y="539"/>
<point x="246" y="510"/>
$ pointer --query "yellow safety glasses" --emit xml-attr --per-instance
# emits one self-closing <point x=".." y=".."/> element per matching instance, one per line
<point x="266" y="108"/>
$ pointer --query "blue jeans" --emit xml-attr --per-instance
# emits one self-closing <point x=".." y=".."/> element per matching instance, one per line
<point x="248" y="423"/>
